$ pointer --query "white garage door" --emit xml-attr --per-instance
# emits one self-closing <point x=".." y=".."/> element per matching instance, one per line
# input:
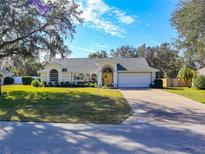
<point x="132" y="80"/>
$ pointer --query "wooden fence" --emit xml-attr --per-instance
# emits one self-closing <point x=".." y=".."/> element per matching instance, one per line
<point x="173" y="82"/>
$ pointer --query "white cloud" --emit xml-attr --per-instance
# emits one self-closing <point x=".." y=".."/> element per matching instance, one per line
<point x="148" y="36"/>
<point x="100" y="16"/>
<point x="147" y="24"/>
<point x="99" y="45"/>
<point x="149" y="14"/>
<point x="123" y="18"/>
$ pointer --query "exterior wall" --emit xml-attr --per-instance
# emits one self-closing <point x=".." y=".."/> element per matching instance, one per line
<point x="7" y="74"/>
<point x="17" y="80"/>
<point x="66" y="76"/>
<point x="44" y="76"/>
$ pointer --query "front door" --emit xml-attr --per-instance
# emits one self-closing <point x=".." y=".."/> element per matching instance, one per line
<point x="107" y="78"/>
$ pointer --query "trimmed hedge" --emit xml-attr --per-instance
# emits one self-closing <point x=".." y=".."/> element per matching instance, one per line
<point x="37" y="83"/>
<point x="199" y="82"/>
<point x="70" y="84"/>
<point x="26" y="80"/>
<point x="8" y="80"/>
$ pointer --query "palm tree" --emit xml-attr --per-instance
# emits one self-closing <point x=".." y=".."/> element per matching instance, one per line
<point x="1" y="76"/>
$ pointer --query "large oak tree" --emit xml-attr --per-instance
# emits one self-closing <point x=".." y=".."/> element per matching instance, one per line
<point x="30" y="27"/>
<point x="163" y="57"/>
<point x="189" y="20"/>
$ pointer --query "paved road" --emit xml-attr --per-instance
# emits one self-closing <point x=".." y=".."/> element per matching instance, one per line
<point x="161" y="123"/>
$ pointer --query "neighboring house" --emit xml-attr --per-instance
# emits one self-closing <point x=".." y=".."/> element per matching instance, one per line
<point x="120" y="72"/>
<point x="201" y="71"/>
<point x="5" y="73"/>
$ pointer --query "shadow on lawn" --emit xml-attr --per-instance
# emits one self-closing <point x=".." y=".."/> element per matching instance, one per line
<point x="172" y="88"/>
<point x="69" y="138"/>
<point x="75" y="107"/>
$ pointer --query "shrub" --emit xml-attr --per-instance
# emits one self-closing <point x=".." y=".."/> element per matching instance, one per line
<point x="186" y="74"/>
<point x="45" y="84"/>
<point x="151" y="85"/>
<point x="199" y="82"/>
<point x="72" y="84"/>
<point x="56" y="84"/>
<point x="67" y="84"/>
<point x="8" y="80"/>
<point x="26" y="80"/>
<point x="92" y="84"/>
<point x="41" y="84"/>
<point x="80" y="84"/>
<point x="50" y="84"/>
<point x="37" y="83"/>
<point x="63" y="84"/>
<point x="158" y="83"/>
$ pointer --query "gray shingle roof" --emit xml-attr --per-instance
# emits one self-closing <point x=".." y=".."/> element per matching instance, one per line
<point x="91" y="65"/>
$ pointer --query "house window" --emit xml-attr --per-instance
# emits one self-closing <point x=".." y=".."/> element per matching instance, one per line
<point x="88" y="77"/>
<point x="53" y="75"/>
<point x="107" y="70"/>
<point x="94" y="77"/>
<point x="81" y="76"/>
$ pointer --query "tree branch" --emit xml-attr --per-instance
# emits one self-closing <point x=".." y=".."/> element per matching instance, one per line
<point x="22" y="37"/>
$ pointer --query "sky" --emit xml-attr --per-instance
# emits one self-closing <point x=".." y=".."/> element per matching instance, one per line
<point x="109" y="24"/>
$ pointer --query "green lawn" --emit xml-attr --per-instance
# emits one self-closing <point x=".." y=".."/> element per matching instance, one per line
<point x="67" y="105"/>
<point x="192" y="93"/>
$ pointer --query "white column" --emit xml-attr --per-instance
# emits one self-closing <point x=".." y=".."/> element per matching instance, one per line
<point x="153" y="76"/>
<point x="59" y="75"/>
<point x="99" y="78"/>
<point x="115" y="78"/>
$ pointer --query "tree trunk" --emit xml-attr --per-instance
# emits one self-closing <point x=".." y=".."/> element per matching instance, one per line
<point x="187" y="83"/>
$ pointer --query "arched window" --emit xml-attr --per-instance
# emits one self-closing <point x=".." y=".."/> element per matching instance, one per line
<point x="107" y="70"/>
<point x="53" y="75"/>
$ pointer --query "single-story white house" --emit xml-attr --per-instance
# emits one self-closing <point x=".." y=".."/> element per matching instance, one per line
<point x="120" y="72"/>
<point x="201" y="71"/>
<point x="6" y="73"/>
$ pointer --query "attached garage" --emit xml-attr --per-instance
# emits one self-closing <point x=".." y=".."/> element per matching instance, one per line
<point x="134" y="80"/>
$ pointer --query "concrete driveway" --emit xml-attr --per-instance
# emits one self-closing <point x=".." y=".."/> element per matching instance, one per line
<point x="161" y="123"/>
